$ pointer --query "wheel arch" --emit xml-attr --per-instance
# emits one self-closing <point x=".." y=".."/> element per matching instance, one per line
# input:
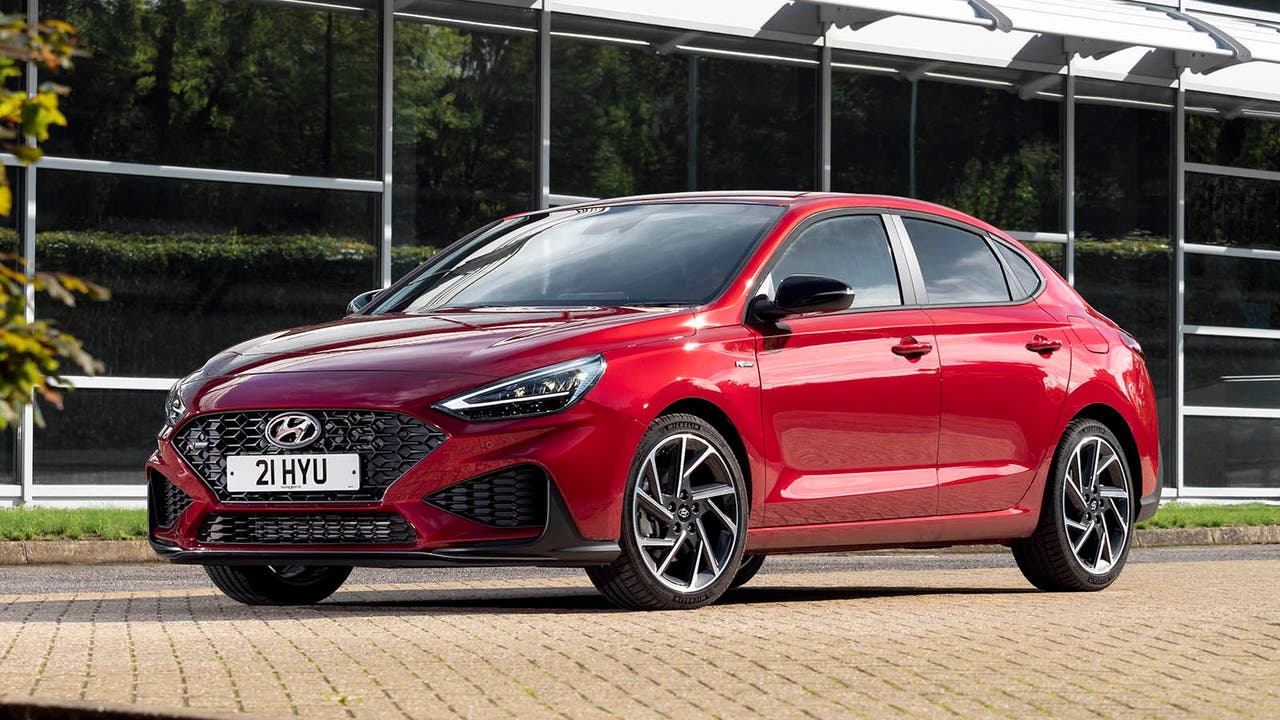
<point x="1116" y="423"/>
<point x="720" y="420"/>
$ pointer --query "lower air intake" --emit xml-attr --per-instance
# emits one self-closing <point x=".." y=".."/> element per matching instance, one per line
<point x="509" y="498"/>
<point x="306" y="529"/>
<point x="166" y="502"/>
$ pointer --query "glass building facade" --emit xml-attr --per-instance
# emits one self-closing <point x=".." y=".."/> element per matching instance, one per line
<point x="234" y="167"/>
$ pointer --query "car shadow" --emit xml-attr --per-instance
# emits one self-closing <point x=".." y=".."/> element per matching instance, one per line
<point x="426" y="602"/>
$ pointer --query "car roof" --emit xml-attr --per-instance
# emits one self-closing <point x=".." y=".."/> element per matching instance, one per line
<point x="792" y="198"/>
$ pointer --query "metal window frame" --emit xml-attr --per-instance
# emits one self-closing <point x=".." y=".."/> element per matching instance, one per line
<point x="26" y="490"/>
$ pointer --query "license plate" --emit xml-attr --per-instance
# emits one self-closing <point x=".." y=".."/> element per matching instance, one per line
<point x="293" y="473"/>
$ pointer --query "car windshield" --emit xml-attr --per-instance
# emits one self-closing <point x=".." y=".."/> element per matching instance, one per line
<point x="655" y="254"/>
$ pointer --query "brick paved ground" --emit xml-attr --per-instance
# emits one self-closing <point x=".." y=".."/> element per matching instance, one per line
<point x="1170" y="639"/>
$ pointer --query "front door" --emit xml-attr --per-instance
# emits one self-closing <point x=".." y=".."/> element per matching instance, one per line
<point x="850" y="399"/>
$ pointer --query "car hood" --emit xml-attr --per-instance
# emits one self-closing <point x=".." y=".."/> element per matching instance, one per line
<point x="488" y="342"/>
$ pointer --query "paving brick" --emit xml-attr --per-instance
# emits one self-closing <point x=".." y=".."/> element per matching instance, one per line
<point x="1169" y="640"/>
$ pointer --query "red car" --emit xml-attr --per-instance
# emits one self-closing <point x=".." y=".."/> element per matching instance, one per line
<point x="664" y="390"/>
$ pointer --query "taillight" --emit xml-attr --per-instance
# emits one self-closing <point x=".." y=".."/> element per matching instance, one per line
<point x="1132" y="343"/>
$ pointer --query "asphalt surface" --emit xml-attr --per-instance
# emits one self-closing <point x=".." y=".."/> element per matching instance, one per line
<point x="139" y="578"/>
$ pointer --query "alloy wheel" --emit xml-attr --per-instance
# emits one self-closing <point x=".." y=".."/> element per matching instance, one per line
<point x="687" y="514"/>
<point x="1096" y="505"/>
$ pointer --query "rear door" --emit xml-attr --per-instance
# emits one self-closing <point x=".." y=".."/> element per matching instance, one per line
<point x="1004" y="362"/>
<point x="850" y="399"/>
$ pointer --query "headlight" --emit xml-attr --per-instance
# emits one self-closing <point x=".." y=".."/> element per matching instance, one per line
<point x="173" y="407"/>
<point x="541" y="392"/>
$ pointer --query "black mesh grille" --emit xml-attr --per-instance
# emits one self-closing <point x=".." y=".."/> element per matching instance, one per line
<point x="167" y="502"/>
<point x="388" y="444"/>
<point x="512" y="497"/>
<point x="306" y="529"/>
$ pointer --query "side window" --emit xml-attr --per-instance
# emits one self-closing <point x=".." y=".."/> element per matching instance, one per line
<point x="958" y="266"/>
<point x="1022" y="269"/>
<point x="854" y="249"/>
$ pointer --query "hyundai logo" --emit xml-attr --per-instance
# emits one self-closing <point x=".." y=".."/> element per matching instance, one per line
<point x="293" y="430"/>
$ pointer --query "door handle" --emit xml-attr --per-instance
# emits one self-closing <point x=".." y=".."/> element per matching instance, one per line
<point x="1043" y="345"/>
<point x="911" y="348"/>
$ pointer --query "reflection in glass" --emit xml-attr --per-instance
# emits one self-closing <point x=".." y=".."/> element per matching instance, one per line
<point x="274" y="87"/>
<point x="1232" y="372"/>
<point x="100" y="437"/>
<point x="1232" y="292"/>
<point x="194" y="267"/>
<point x="1232" y="452"/>
<point x="853" y="249"/>
<point x="958" y="266"/>
<point x="870" y="133"/>
<point x="619" y="109"/>
<point x="757" y="127"/>
<point x="1122" y="254"/>
<point x="464" y="119"/>
<point x="1238" y="212"/>
<point x="987" y="152"/>
<point x="654" y="254"/>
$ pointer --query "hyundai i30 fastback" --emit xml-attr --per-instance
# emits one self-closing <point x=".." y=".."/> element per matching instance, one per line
<point x="664" y="391"/>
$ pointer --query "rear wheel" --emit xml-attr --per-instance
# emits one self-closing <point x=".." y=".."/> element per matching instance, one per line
<point x="1086" y="519"/>
<point x="278" y="584"/>
<point x="684" y="520"/>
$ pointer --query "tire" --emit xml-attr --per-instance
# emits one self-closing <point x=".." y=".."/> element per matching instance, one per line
<point x="747" y="569"/>
<point x="1085" y="529"/>
<point x="284" y="585"/>
<point x="690" y="554"/>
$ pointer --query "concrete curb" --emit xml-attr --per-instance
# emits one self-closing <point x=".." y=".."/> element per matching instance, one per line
<point x="117" y="552"/>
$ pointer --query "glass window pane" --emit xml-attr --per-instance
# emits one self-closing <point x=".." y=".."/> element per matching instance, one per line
<point x="7" y="459"/>
<point x="1232" y="211"/>
<point x="757" y="127"/>
<point x="1022" y="269"/>
<point x="99" y="437"/>
<point x="619" y="109"/>
<point x="1232" y="131"/>
<point x="1232" y="292"/>
<point x="194" y="267"/>
<point x="1122" y="255"/>
<point x="275" y="87"/>
<point x="1232" y="452"/>
<point x="870" y="128"/>
<point x="663" y="254"/>
<point x="1232" y="372"/>
<point x="465" y="76"/>
<point x="983" y="150"/>
<point x="852" y="249"/>
<point x="958" y="266"/>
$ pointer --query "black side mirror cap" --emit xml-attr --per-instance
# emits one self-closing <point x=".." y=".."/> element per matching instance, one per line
<point x="803" y="295"/>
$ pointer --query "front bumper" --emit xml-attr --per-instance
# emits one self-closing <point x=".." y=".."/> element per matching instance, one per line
<point x="559" y="544"/>
<point x="577" y="450"/>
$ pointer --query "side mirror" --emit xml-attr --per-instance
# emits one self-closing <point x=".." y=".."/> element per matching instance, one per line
<point x="804" y="295"/>
<point x="361" y="301"/>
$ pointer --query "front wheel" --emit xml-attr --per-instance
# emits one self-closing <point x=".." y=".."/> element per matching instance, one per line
<point x="684" y="520"/>
<point x="1086" y="519"/>
<point x="278" y="585"/>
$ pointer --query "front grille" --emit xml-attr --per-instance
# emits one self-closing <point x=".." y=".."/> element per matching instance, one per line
<point x="511" y="497"/>
<point x="306" y="529"/>
<point x="388" y="444"/>
<point x="166" y="501"/>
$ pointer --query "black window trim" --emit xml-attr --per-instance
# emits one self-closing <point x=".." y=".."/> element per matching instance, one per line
<point x="907" y="288"/>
